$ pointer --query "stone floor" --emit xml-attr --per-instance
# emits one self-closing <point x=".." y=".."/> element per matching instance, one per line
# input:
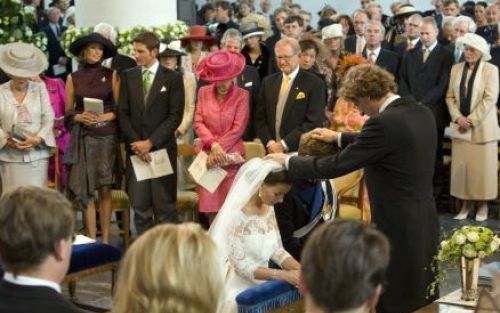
<point x="96" y="290"/>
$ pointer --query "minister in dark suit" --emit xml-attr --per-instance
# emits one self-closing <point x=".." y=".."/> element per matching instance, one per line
<point x="398" y="159"/>
<point x="291" y="102"/>
<point x="151" y="106"/>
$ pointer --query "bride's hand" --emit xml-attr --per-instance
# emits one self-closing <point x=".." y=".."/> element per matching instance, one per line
<point x="291" y="277"/>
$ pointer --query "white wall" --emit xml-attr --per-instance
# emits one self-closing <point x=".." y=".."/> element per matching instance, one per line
<point x="125" y="13"/>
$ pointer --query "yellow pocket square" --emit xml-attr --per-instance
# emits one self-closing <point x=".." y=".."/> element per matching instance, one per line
<point x="300" y="95"/>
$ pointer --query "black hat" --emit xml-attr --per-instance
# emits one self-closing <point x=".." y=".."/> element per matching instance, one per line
<point x="172" y="49"/>
<point x="251" y="29"/>
<point x="108" y="48"/>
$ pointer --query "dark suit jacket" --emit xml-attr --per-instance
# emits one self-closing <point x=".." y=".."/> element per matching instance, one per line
<point x="270" y="43"/>
<point x="250" y="81"/>
<point x="121" y="62"/>
<point x="295" y="212"/>
<point x="398" y="160"/>
<point x="350" y="44"/>
<point x="55" y="51"/>
<point x="495" y="59"/>
<point x="299" y="115"/>
<point x="27" y="299"/>
<point x="387" y="60"/>
<point x="3" y="77"/>
<point x="400" y="49"/>
<point x="428" y="81"/>
<point x="157" y="119"/>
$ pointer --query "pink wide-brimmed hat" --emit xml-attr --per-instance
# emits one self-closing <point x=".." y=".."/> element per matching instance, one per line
<point x="220" y="65"/>
<point x="198" y="32"/>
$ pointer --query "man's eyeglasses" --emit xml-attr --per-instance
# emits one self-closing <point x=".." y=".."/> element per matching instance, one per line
<point x="285" y="57"/>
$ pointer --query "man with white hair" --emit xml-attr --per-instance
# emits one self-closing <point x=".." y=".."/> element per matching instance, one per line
<point x="119" y="62"/>
<point x="356" y="43"/>
<point x="412" y="31"/>
<point x="374" y="53"/>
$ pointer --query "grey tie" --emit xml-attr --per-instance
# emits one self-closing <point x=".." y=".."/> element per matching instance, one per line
<point x="280" y="106"/>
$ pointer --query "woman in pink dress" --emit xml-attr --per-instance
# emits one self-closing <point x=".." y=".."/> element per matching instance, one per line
<point x="57" y="95"/>
<point x="220" y="119"/>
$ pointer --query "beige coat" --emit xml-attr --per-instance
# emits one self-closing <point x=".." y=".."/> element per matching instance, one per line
<point x="189" y="99"/>
<point x="483" y="113"/>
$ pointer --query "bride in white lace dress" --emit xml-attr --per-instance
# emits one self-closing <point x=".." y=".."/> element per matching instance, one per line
<point x="246" y="232"/>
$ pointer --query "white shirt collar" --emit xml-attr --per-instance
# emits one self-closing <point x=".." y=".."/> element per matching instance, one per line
<point x="153" y="68"/>
<point x="415" y="41"/>
<point x="387" y="102"/>
<point x="30" y="281"/>
<point x="376" y="51"/>
<point x="293" y="74"/>
<point x="431" y="47"/>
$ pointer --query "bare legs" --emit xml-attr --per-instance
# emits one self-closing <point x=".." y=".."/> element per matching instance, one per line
<point x="104" y="215"/>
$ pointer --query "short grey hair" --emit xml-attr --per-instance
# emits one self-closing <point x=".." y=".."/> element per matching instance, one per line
<point x="292" y="42"/>
<point x="465" y="19"/>
<point x="232" y="33"/>
<point x="431" y="21"/>
<point x="52" y="10"/>
<point x="107" y="31"/>
<point x="372" y="22"/>
<point x="417" y="16"/>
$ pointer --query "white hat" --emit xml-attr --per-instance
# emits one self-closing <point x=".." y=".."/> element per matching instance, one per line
<point x="20" y="59"/>
<point x="332" y="31"/>
<point x="477" y="42"/>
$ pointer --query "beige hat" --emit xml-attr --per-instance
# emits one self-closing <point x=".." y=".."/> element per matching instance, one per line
<point x="332" y="31"/>
<point x="477" y="42"/>
<point x="20" y="59"/>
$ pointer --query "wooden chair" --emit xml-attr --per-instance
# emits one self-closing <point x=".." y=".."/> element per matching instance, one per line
<point x="350" y="196"/>
<point x="254" y="150"/>
<point x="187" y="200"/>
<point x="88" y="260"/>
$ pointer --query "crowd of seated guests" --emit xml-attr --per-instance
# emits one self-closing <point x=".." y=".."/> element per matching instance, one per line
<point x="242" y="75"/>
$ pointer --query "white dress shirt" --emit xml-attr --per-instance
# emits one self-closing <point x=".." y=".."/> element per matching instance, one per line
<point x="30" y="281"/>
<point x="375" y="53"/>
<point x="153" y="68"/>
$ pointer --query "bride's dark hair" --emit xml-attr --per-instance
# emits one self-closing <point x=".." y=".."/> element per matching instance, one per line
<point x="280" y="177"/>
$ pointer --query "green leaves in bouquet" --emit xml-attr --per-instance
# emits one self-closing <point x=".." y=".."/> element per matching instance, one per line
<point x="15" y="22"/>
<point x="469" y="242"/>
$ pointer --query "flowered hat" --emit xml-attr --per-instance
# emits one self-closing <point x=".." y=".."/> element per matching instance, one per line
<point x="22" y="60"/>
<point x="221" y="65"/>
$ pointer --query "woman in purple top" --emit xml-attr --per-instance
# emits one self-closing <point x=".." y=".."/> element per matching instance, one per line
<point x="92" y="149"/>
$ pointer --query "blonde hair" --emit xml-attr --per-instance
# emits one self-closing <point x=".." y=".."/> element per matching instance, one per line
<point x="170" y="269"/>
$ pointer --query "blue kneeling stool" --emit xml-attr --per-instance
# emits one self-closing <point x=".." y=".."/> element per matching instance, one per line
<point x="274" y="295"/>
<point x="89" y="259"/>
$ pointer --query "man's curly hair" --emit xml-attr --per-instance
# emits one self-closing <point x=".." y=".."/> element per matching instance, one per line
<point x="367" y="80"/>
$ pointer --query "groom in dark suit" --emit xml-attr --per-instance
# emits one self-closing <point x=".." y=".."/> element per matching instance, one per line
<point x="151" y="108"/>
<point x="398" y="158"/>
<point x="291" y="102"/>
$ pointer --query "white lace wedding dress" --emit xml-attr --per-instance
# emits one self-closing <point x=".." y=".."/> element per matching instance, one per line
<point x="253" y="241"/>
